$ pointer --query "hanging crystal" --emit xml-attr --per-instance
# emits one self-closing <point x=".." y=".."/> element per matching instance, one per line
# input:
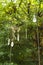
<point x="12" y="44"/>
<point x="8" y="41"/>
<point x="34" y="18"/>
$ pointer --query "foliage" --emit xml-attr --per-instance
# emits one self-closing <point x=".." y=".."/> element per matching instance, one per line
<point x="20" y="15"/>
